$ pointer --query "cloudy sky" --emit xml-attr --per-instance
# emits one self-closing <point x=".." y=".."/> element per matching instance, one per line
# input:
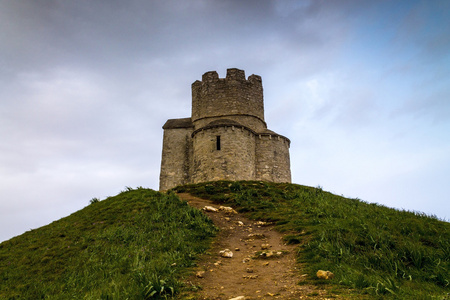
<point x="362" y="89"/>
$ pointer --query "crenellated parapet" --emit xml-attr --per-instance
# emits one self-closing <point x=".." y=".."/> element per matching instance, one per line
<point x="232" y="97"/>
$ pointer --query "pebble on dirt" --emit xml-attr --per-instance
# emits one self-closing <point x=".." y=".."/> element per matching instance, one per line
<point x="321" y="274"/>
<point x="200" y="274"/>
<point x="210" y="209"/>
<point x="226" y="253"/>
<point x="228" y="210"/>
<point x="265" y="246"/>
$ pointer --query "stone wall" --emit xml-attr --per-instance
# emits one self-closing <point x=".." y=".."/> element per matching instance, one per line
<point x="272" y="158"/>
<point x="234" y="161"/>
<point x="176" y="157"/>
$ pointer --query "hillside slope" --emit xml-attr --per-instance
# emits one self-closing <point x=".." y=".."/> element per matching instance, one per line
<point x="377" y="250"/>
<point x="140" y="244"/>
<point x="132" y="246"/>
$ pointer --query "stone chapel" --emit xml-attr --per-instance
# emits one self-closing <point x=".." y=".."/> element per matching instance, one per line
<point x="226" y="138"/>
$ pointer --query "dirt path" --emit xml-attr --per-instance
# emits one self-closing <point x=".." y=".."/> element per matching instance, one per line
<point x="262" y="266"/>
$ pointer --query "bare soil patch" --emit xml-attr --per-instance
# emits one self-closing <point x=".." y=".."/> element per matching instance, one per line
<point x="262" y="266"/>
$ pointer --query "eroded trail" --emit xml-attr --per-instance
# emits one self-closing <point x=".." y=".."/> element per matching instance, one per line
<point x="262" y="266"/>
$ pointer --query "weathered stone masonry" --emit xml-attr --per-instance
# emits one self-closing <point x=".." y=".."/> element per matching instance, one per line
<point x="226" y="138"/>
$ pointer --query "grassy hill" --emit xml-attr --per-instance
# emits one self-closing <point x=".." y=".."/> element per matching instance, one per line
<point x="135" y="245"/>
<point x="377" y="250"/>
<point x="140" y="243"/>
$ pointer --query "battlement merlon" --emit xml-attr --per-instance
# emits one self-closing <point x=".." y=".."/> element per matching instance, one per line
<point x="232" y="74"/>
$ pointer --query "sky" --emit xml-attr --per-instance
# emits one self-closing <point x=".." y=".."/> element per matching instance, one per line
<point x="361" y="88"/>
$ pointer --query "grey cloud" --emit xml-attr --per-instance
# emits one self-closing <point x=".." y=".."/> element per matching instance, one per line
<point x="95" y="31"/>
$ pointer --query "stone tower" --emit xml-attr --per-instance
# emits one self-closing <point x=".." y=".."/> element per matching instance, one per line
<point x="226" y="138"/>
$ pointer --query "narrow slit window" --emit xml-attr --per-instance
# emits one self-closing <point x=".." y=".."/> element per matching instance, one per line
<point x="218" y="142"/>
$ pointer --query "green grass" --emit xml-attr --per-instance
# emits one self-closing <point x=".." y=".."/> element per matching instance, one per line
<point x="136" y="245"/>
<point x="370" y="248"/>
<point x="140" y="244"/>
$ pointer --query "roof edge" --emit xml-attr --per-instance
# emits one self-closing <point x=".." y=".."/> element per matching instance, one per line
<point x="178" y="123"/>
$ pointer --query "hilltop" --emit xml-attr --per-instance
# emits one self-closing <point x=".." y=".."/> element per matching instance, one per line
<point x="144" y="244"/>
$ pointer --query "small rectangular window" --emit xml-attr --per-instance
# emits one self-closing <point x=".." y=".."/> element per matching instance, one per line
<point x="218" y="142"/>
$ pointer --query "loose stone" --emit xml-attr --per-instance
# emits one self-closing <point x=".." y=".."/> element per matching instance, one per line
<point x="200" y="274"/>
<point x="227" y="210"/>
<point x="256" y="236"/>
<point x="226" y="253"/>
<point x="321" y="274"/>
<point x="238" y="298"/>
<point x="210" y="209"/>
